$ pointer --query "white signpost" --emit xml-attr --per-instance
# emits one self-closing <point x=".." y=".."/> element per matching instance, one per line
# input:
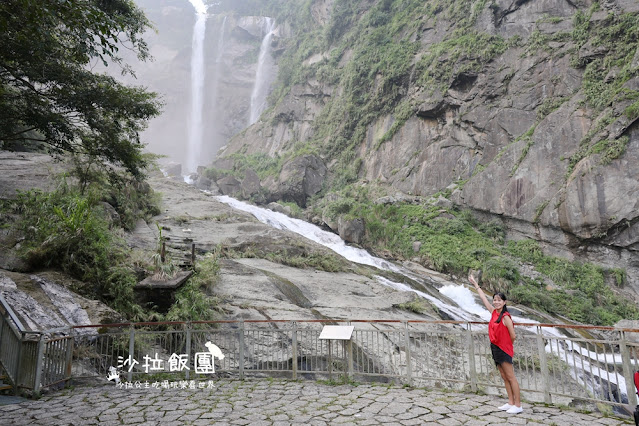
<point x="341" y="333"/>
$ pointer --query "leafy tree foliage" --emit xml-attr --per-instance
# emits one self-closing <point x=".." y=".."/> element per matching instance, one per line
<point x="50" y="97"/>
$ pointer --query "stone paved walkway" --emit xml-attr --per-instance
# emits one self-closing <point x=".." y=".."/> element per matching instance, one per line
<point x="274" y="402"/>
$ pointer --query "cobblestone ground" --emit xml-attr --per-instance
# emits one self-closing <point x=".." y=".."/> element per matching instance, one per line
<point x="273" y="402"/>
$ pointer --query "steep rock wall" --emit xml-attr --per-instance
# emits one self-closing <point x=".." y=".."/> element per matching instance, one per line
<point x="521" y="136"/>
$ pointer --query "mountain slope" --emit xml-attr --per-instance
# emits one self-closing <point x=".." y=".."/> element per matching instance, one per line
<point x="523" y="111"/>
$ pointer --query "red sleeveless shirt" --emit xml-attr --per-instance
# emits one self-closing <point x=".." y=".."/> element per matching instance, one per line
<point x="498" y="333"/>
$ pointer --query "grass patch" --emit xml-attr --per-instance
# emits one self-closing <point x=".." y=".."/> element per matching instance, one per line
<point x="320" y="261"/>
<point x="582" y="293"/>
<point x="193" y="301"/>
<point x="67" y="230"/>
<point x="416" y="306"/>
<point x="297" y="257"/>
<point x="528" y="138"/>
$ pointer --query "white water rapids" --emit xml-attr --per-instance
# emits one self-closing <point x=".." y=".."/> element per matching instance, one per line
<point x="467" y="308"/>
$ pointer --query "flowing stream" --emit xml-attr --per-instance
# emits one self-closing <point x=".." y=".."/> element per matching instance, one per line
<point x="264" y="64"/>
<point x="467" y="308"/>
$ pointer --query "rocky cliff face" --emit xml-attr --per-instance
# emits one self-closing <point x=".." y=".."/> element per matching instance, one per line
<point x="537" y="128"/>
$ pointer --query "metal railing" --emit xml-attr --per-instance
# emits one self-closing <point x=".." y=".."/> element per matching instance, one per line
<point x="17" y="344"/>
<point x="10" y="345"/>
<point x="550" y="367"/>
<point x="553" y="367"/>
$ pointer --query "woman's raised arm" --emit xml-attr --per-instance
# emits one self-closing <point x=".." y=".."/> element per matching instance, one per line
<point x="481" y="294"/>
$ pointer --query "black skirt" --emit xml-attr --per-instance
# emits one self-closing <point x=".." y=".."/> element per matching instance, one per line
<point x="500" y="356"/>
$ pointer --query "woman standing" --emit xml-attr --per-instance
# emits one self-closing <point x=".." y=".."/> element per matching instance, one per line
<point x="502" y="335"/>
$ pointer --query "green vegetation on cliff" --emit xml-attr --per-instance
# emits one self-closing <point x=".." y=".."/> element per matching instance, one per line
<point x="76" y="231"/>
<point x="79" y="229"/>
<point x="455" y="242"/>
<point x="605" y="48"/>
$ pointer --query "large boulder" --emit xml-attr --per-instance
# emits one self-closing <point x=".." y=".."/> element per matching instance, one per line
<point x="172" y="169"/>
<point x="351" y="230"/>
<point x="110" y="214"/>
<point x="279" y="208"/>
<point x="250" y="184"/>
<point x="229" y="186"/>
<point x="299" y="179"/>
<point x="202" y="182"/>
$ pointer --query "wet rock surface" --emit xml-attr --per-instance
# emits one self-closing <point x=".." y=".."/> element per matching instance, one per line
<point x="43" y="301"/>
<point x="257" y="288"/>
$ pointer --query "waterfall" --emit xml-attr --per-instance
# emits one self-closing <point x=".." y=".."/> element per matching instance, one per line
<point x="197" y="87"/>
<point x="215" y="108"/>
<point x="220" y="43"/>
<point x="264" y="63"/>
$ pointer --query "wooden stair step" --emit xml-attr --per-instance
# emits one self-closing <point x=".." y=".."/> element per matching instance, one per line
<point x="5" y="387"/>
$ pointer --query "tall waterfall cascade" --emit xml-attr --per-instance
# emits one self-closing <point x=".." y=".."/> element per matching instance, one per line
<point x="220" y="43"/>
<point x="214" y="80"/>
<point x="264" y="64"/>
<point x="195" y="132"/>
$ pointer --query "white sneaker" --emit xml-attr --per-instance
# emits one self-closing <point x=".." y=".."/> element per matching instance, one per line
<point x="514" y="410"/>
<point x="505" y="407"/>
